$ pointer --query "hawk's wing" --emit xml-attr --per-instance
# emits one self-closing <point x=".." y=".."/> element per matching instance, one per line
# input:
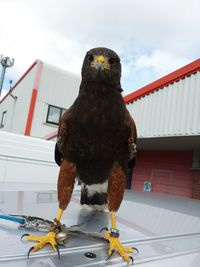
<point x="132" y="143"/>
<point x="62" y="133"/>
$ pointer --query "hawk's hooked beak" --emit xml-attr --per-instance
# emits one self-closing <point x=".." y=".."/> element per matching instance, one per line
<point x="100" y="63"/>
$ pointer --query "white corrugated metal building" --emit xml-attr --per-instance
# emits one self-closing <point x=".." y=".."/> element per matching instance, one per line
<point x="167" y="115"/>
<point x="37" y="101"/>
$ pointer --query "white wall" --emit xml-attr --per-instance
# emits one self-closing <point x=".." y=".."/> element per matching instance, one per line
<point x="173" y="110"/>
<point x="56" y="87"/>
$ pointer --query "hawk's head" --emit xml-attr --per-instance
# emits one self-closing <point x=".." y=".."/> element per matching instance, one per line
<point x="102" y="65"/>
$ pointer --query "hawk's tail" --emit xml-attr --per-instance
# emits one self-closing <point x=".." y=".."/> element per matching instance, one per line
<point x="94" y="195"/>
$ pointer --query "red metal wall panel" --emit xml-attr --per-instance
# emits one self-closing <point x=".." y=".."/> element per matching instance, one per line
<point x="170" y="172"/>
<point x="196" y="184"/>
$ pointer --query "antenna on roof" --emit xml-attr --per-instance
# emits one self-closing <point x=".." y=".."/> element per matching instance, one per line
<point x="6" y="62"/>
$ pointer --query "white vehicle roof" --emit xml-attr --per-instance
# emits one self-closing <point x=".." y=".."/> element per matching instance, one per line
<point x="166" y="230"/>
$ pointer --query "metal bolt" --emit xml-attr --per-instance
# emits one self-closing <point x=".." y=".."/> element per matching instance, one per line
<point x="90" y="255"/>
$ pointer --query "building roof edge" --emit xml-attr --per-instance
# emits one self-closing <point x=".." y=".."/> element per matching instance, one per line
<point x="21" y="78"/>
<point x="165" y="80"/>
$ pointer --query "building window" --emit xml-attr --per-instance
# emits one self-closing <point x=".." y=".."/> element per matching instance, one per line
<point x="54" y="114"/>
<point x="3" y="119"/>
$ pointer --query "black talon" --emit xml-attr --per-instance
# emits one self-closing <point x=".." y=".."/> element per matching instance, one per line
<point x="135" y="249"/>
<point x="110" y="255"/>
<point x="24" y="235"/>
<point x="130" y="257"/>
<point x="29" y="251"/>
<point x="104" y="228"/>
<point x="56" y="247"/>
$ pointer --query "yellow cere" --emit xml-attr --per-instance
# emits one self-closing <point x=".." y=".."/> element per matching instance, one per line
<point x="103" y="60"/>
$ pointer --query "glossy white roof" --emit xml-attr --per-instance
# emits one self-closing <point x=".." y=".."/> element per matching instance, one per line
<point x="166" y="230"/>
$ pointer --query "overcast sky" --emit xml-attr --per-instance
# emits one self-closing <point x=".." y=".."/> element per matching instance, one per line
<point x="152" y="37"/>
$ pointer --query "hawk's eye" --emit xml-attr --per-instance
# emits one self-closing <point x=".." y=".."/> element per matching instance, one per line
<point x="112" y="60"/>
<point x="91" y="58"/>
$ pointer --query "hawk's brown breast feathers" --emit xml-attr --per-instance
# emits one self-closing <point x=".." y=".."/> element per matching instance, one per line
<point x="97" y="131"/>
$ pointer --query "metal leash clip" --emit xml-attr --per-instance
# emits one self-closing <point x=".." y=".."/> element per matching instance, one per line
<point x="43" y="225"/>
<point x="35" y="223"/>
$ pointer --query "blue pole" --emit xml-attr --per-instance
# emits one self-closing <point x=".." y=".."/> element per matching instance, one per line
<point x="12" y="218"/>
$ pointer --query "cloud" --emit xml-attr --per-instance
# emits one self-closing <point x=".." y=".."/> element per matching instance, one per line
<point x="161" y="62"/>
<point x="146" y="68"/>
<point x="152" y="37"/>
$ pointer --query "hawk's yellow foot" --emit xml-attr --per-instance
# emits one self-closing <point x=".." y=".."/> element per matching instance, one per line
<point x="50" y="238"/>
<point x="115" y="245"/>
